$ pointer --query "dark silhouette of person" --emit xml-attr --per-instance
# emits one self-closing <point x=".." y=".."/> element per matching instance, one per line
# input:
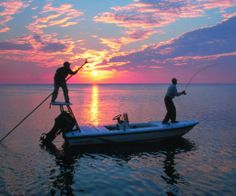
<point x="60" y="81"/>
<point x="170" y="106"/>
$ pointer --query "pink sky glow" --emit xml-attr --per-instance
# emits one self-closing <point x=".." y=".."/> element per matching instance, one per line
<point x="133" y="41"/>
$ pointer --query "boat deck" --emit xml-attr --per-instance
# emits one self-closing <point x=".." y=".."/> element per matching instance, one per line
<point x="133" y="128"/>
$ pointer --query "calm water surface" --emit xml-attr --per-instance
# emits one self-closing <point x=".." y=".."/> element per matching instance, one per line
<point x="203" y="162"/>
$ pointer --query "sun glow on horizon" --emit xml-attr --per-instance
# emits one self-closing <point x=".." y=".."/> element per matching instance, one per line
<point x="119" y="41"/>
<point x="99" y="75"/>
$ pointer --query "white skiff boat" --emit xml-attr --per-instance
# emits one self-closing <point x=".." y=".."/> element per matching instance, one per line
<point x="132" y="133"/>
<point x="122" y="132"/>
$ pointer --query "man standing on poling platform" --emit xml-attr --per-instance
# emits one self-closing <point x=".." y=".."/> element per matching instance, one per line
<point x="170" y="106"/>
<point x="60" y="81"/>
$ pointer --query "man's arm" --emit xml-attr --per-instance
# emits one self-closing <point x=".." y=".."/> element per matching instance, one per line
<point x="72" y="72"/>
<point x="179" y="93"/>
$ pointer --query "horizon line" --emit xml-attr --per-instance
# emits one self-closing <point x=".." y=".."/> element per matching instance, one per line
<point x="216" y="83"/>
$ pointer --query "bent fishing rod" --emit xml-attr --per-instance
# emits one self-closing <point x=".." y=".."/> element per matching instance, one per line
<point x="41" y="103"/>
<point x="195" y="74"/>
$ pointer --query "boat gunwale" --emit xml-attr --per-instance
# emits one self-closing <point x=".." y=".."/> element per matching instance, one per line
<point x="130" y="133"/>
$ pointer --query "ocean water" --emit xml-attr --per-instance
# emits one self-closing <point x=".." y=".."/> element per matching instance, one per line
<point x="203" y="162"/>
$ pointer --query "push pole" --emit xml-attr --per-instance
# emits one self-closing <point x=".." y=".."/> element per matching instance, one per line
<point x="41" y="103"/>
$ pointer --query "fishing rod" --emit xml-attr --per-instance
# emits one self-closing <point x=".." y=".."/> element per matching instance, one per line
<point x="195" y="74"/>
<point x="41" y="103"/>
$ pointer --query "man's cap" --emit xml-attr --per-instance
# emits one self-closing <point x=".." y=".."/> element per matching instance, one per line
<point x="174" y="80"/>
<point x="66" y="64"/>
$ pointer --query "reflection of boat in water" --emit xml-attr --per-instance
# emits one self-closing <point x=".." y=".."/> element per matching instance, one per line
<point x="122" y="132"/>
<point x="70" y="162"/>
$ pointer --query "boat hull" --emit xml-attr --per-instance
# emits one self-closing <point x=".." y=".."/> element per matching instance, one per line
<point x="137" y="133"/>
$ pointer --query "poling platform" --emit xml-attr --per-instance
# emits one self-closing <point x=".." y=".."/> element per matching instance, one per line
<point x="60" y="103"/>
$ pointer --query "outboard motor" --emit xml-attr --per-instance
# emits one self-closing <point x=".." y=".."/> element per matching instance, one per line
<point x="63" y="123"/>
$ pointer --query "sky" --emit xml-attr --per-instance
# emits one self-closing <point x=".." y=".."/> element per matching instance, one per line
<point x="128" y="41"/>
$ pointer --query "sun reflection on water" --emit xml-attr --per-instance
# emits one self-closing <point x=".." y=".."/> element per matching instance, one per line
<point x="94" y="107"/>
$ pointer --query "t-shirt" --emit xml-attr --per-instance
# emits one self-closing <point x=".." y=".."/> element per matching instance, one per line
<point x="172" y="91"/>
<point x="62" y="73"/>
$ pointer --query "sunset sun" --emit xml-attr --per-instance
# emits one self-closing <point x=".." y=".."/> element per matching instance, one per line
<point x="94" y="74"/>
<point x="100" y="75"/>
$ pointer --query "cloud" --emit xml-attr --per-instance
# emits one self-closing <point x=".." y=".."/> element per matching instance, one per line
<point x="222" y="5"/>
<point x="96" y="58"/>
<point x="52" y="47"/>
<point x="114" y="44"/>
<point x="50" y="43"/>
<point x="142" y="17"/>
<point x="131" y="36"/>
<point x="44" y="43"/>
<point x="229" y="15"/>
<point x="4" y="29"/>
<point x="63" y="16"/>
<point x="10" y="8"/>
<point x="14" y="46"/>
<point x="43" y="50"/>
<point x="150" y="14"/>
<point x="199" y="47"/>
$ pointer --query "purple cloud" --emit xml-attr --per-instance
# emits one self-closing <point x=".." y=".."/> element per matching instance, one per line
<point x="15" y="46"/>
<point x="202" y="45"/>
<point x="53" y="47"/>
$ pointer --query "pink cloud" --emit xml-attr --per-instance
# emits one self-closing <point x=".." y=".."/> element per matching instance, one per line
<point x="130" y="36"/>
<point x="62" y="16"/>
<point x="43" y="50"/>
<point x="10" y="8"/>
<point x="4" y="29"/>
<point x="227" y="16"/>
<point x="212" y="46"/>
<point x="157" y="14"/>
<point x="149" y="15"/>
<point x="114" y="44"/>
<point x="140" y="33"/>
<point x="14" y="46"/>
<point x="5" y="19"/>
<point x="134" y="20"/>
<point x="211" y="4"/>
<point x="196" y="60"/>
<point x="141" y="18"/>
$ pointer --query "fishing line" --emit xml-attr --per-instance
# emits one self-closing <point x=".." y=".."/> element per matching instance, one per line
<point x="195" y="74"/>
